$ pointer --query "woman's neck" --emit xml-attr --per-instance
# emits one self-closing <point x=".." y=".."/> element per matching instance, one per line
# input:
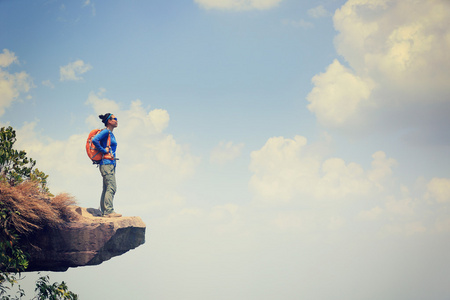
<point x="110" y="128"/>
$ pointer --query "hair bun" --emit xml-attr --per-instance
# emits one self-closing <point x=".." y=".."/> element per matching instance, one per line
<point x="105" y="117"/>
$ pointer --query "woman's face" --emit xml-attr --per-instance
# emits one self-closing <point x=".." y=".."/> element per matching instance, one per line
<point x="113" y="121"/>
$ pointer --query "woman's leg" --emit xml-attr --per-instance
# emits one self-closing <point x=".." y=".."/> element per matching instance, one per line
<point x="109" y="188"/>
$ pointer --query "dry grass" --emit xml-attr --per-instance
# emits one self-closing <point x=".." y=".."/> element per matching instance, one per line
<point x="31" y="209"/>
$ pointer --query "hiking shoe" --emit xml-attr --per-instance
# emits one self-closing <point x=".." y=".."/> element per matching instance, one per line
<point x="112" y="215"/>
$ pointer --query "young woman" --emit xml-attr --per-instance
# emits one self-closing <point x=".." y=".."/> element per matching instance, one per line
<point x="106" y="142"/>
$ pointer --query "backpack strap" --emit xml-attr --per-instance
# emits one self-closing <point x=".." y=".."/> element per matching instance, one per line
<point x="108" y="143"/>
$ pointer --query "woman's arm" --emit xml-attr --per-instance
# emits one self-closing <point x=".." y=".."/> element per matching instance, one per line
<point x="100" y="137"/>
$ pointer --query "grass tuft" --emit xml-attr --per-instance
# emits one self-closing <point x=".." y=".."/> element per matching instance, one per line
<point x="31" y="209"/>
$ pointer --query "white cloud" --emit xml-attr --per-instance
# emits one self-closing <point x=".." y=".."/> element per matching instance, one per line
<point x="286" y="169"/>
<point x="402" y="206"/>
<point x="225" y="152"/>
<point x="238" y="5"/>
<point x="12" y="85"/>
<point x="318" y="12"/>
<point x="438" y="189"/>
<point x="173" y="156"/>
<point x="48" y="83"/>
<point x="332" y="193"/>
<point x="72" y="71"/>
<point x="7" y="58"/>
<point x="279" y="169"/>
<point x="339" y="95"/>
<point x="159" y="118"/>
<point x="381" y="168"/>
<point x="395" y="206"/>
<point x="101" y="105"/>
<point x="341" y="180"/>
<point x="397" y="55"/>
<point x="404" y="42"/>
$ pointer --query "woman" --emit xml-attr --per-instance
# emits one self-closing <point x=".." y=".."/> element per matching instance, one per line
<point x="105" y="141"/>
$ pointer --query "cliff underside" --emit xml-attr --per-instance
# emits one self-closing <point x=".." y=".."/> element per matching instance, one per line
<point x="59" y="235"/>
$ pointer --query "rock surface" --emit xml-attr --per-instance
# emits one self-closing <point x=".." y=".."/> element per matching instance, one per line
<point x="86" y="240"/>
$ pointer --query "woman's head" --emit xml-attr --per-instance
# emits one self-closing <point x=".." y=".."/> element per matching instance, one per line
<point x="108" y="119"/>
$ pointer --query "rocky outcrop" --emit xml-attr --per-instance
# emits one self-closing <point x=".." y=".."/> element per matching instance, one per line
<point x="85" y="240"/>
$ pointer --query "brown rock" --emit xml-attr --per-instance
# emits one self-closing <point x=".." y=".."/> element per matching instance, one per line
<point x="85" y="240"/>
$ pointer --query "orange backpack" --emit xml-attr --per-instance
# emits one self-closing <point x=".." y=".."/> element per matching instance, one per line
<point x="94" y="154"/>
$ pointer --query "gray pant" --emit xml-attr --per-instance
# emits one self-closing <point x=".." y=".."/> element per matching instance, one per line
<point x="109" y="188"/>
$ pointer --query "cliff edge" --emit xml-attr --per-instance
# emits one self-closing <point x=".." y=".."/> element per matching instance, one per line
<point x="83" y="241"/>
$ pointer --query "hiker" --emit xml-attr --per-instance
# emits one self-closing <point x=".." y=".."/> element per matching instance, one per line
<point x="106" y="143"/>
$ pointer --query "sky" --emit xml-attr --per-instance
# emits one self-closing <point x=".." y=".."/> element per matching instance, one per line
<point x="275" y="149"/>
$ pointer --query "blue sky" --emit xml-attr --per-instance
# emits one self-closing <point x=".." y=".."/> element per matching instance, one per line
<point x="276" y="149"/>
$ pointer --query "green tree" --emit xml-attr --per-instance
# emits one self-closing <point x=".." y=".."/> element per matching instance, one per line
<point x="14" y="165"/>
<point x="55" y="291"/>
<point x="15" y="168"/>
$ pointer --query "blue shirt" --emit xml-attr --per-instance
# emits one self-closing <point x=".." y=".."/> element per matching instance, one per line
<point x="101" y="142"/>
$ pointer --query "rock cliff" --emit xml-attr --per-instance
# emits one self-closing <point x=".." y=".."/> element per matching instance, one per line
<point x="85" y="240"/>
